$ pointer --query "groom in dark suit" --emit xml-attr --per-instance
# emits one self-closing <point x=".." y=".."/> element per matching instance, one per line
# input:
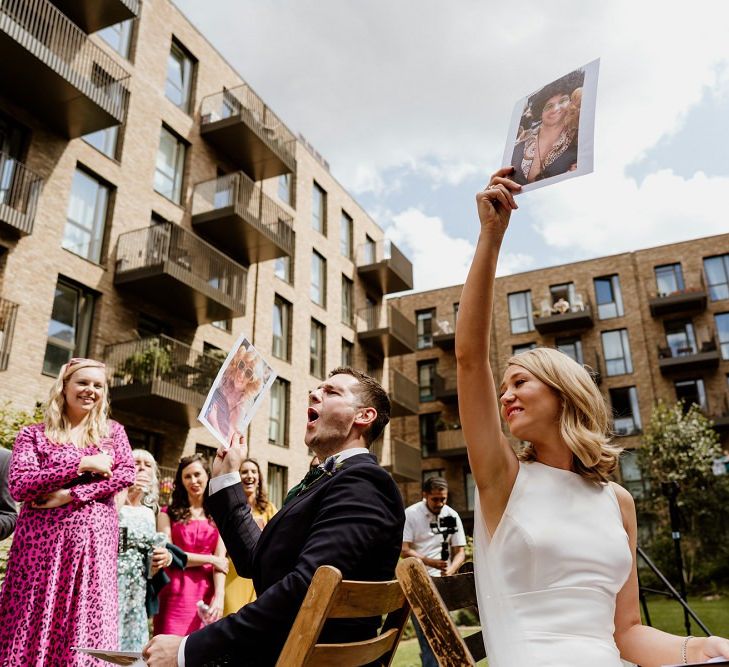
<point x="348" y="513"/>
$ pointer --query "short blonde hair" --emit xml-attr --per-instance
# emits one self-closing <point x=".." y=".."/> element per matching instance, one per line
<point x="151" y="495"/>
<point x="584" y="423"/>
<point x="57" y="424"/>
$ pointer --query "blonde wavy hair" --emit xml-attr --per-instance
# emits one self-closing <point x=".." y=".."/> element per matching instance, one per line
<point x="95" y="425"/>
<point x="584" y="424"/>
<point x="150" y="498"/>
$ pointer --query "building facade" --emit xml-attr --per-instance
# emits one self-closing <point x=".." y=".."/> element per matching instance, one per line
<point x="650" y="325"/>
<point x="152" y="208"/>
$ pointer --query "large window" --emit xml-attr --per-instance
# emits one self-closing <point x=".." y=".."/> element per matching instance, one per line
<point x="69" y="327"/>
<point x="470" y="486"/>
<point x="282" y="269"/>
<point x="572" y="347"/>
<point x="317" y="349"/>
<point x="520" y="312"/>
<point x="691" y="392"/>
<point x="669" y="279"/>
<point x="318" y="291"/>
<point x="278" y="483"/>
<point x="717" y="276"/>
<point x="105" y="141"/>
<point x="86" y="219"/>
<point x="279" y="418"/>
<point x="285" y="188"/>
<point x="170" y="166"/>
<point x="369" y="251"/>
<point x="524" y="347"/>
<point x="346" y="235"/>
<point x="118" y="37"/>
<point x="347" y="353"/>
<point x="178" y="86"/>
<point x="281" y="345"/>
<point x="616" y="349"/>
<point x="680" y="337"/>
<point x="426" y="379"/>
<point x="626" y="413"/>
<point x="429" y="433"/>
<point x="347" y="301"/>
<point x="608" y="297"/>
<point x="318" y="208"/>
<point x="631" y="474"/>
<point x="722" y="330"/>
<point x="424" y="319"/>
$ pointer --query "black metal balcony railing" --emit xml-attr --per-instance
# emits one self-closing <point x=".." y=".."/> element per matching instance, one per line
<point x="159" y="377"/>
<point x="385" y="330"/>
<point x="8" y="313"/>
<point x="561" y="315"/>
<point x="268" y="150"/>
<point x="176" y="268"/>
<point x="19" y="191"/>
<point x="66" y="66"/>
<point x="93" y="15"/>
<point x="691" y="356"/>
<point x="383" y="265"/>
<point x="233" y="213"/>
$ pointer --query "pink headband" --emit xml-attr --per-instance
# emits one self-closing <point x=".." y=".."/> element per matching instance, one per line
<point x="77" y="363"/>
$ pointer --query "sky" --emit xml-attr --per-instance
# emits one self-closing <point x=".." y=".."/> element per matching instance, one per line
<point x="410" y="100"/>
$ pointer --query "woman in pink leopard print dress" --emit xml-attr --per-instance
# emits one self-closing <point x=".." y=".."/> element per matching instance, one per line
<point x="60" y="588"/>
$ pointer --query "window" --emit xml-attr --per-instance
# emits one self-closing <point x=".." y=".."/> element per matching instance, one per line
<point x="104" y="141"/>
<point x="690" y="392"/>
<point x="281" y="347"/>
<point x="426" y="379"/>
<point x="680" y="337"/>
<point x="520" y="312"/>
<point x="669" y="279"/>
<point x="282" y="269"/>
<point x="170" y="166"/>
<point x="722" y="329"/>
<point x="424" y="320"/>
<point x="279" y="418"/>
<point x="69" y="327"/>
<point x="347" y="301"/>
<point x="608" y="297"/>
<point x="435" y="472"/>
<point x="178" y="86"/>
<point x="118" y="37"/>
<point x="525" y="347"/>
<point x="470" y="486"/>
<point x="346" y="232"/>
<point x="429" y="433"/>
<point x="285" y="181"/>
<point x="374" y="367"/>
<point x="631" y="474"/>
<point x="278" y="483"/>
<point x="717" y="276"/>
<point x="318" y="289"/>
<point x="564" y="291"/>
<point x="316" y="349"/>
<point x="572" y="347"/>
<point x="626" y="413"/>
<point x="223" y="325"/>
<point x="369" y="251"/>
<point x="347" y="353"/>
<point x="86" y="218"/>
<point x="616" y="349"/>
<point x="318" y="208"/>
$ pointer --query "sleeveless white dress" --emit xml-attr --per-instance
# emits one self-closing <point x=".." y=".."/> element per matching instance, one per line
<point x="548" y="578"/>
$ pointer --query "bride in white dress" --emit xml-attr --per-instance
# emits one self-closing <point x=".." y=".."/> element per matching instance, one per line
<point x="554" y="539"/>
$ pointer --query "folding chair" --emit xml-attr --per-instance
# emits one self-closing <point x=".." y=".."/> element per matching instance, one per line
<point x="431" y="598"/>
<point x="329" y="596"/>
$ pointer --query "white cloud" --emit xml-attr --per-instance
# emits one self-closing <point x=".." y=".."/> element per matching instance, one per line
<point x="513" y="262"/>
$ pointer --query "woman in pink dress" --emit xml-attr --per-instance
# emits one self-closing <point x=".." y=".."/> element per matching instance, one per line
<point x="189" y="527"/>
<point x="60" y="588"/>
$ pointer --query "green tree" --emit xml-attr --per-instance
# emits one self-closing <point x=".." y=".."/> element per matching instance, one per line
<point x="12" y="420"/>
<point x="679" y="445"/>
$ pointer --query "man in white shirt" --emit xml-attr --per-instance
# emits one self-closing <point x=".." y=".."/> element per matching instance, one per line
<point x="434" y="534"/>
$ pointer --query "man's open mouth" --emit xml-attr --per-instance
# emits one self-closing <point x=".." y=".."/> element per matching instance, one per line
<point x="312" y="415"/>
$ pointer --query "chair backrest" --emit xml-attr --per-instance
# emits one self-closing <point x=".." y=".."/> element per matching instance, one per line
<point x="329" y="596"/>
<point x="431" y="598"/>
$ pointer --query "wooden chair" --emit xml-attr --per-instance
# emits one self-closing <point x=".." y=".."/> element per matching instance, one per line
<point x="328" y="597"/>
<point x="431" y="598"/>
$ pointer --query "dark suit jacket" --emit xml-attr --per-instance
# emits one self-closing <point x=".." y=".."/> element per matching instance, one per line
<point x="8" y="510"/>
<point x="352" y="520"/>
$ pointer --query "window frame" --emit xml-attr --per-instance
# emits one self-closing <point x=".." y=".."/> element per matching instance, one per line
<point x="178" y="177"/>
<point x="347" y="303"/>
<point x="528" y="316"/>
<point x="625" y="347"/>
<point x="346" y="235"/>
<point x="278" y="482"/>
<point x="187" y="69"/>
<point x="317" y="355"/>
<point x="281" y="420"/>
<point x="431" y="366"/>
<point x="100" y="216"/>
<point x="424" y="338"/>
<point x="616" y="294"/>
<point x="318" y="213"/>
<point x="286" y="309"/>
<point x="318" y="287"/>
<point x="634" y="416"/>
<point x="724" y="294"/>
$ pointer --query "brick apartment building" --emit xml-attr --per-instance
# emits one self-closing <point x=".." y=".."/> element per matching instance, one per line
<point x="152" y="208"/>
<point x="651" y="324"/>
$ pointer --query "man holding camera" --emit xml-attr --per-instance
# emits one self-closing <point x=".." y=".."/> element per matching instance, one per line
<point x="434" y="534"/>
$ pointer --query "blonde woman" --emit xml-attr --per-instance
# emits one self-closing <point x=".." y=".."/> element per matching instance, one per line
<point x="554" y="539"/>
<point x="60" y="588"/>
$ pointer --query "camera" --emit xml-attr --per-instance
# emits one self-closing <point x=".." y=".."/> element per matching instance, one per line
<point x="445" y="526"/>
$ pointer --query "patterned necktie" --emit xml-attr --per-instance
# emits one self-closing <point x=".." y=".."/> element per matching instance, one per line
<point x="309" y="479"/>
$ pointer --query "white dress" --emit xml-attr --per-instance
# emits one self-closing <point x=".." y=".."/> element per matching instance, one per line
<point x="548" y="579"/>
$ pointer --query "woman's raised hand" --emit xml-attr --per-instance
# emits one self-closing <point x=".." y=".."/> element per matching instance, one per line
<point x="496" y="201"/>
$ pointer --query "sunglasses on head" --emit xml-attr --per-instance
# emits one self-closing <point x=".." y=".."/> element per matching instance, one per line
<point x="243" y="367"/>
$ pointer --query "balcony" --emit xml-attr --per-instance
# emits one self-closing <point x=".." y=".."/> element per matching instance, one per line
<point x="233" y="214"/>
<point x="57" y="71"/>
<point x="93" y="15"/>
<point x="8" y="313"/>
<point x="167" y="265"/>
<point x="445" y="389"/>
<point x="19" y="191"/>
<point x="451" y="443"/>
<point x="404" y="460"/>
<point x="720" y="421"/>
<point x="444" y="333"/>
<point x="704" y="356"/>
<point x="562" y="316"/>
<point x="385" y="331"/>
<point x="383" y="267"/>
<point x="159" y="378"/>
<point x="690" y="300"/>
<point x="403" y="395"/>
<point x="241" y="126"/>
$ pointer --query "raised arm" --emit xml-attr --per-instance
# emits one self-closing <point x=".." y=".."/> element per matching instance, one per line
<point x="493" y="462"/>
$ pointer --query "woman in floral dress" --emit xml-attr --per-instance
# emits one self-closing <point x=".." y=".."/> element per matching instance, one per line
<point x="60" y="588"/>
